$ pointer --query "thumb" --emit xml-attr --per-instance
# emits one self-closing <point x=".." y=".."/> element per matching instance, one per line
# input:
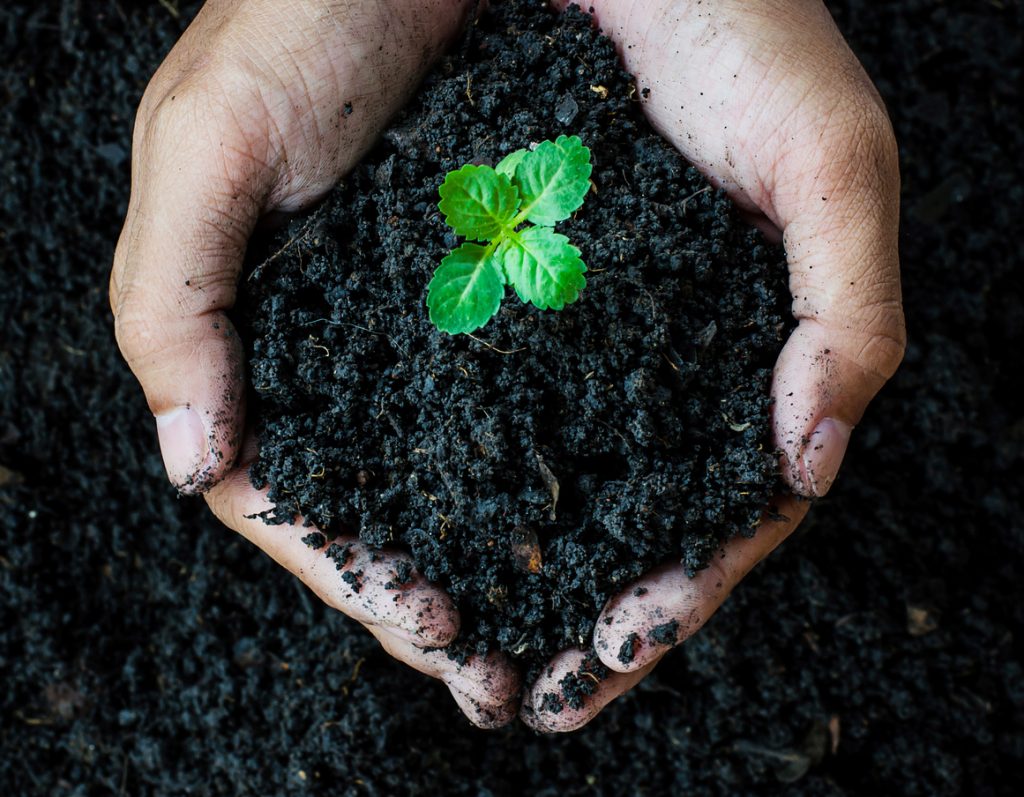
<point x="197" y="191"/>
<point x="839" y="210"/>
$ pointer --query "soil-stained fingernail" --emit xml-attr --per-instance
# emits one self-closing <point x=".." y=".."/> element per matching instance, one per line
<point x="824" y="453"/>
<point x="184" y="446"/>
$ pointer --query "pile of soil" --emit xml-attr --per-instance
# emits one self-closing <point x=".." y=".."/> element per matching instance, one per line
<point x="146" y="650"/>
<point x="538" y="467"/>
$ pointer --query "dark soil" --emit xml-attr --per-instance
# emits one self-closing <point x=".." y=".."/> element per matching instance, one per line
<point x="145" y="650"/>
<point x="536" y="469"/>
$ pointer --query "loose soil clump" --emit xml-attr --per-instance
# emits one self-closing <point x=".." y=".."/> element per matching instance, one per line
<point x="539" y="466"/>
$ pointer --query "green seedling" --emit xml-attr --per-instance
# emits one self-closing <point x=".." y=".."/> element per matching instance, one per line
<point x="511" y="211"/>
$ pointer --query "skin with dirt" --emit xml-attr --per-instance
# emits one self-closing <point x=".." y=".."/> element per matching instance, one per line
<point x="146" y="650"/>
<point x="537" y="468"/>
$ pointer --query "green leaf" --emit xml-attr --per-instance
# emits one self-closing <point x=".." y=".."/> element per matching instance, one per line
<point x="543" y="267"/>
<point x="478" y="202"/>
<point x="507" y="165"/>
<point x="554" y="179"/>
<point x="466" y="290"/>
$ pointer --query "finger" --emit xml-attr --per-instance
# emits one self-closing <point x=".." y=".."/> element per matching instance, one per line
<point x="844" y="278"/>
<point x="666" y="606"/>
<point x="838" y="203"/>
<point x="198" y="186"/>
<point x="407" y="615"/>
<point x="486" y="688"/>
<point x="563" y="699"/>
<point x="381" y="589"/>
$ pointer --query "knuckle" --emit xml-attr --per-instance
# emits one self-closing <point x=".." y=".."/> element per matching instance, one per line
<point x="883" y="350"/>
<point x="144" y="113"/>
<point x="874" y="326"/>
<point x="114" y="284"/>
<point x="877" y="142"/>
<point x="864" y="149"/>
<point x="878" y="127"/>
<point x="142" y="336"/>
<point x="225" y="128"/>
<point x="164" y="106"/>
<point x="135" y="334"/>
<point x="179" y="112"/>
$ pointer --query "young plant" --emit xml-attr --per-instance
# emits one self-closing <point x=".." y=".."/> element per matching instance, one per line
<point x="542" y="186"/>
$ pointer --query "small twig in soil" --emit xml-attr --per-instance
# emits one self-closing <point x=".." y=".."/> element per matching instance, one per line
<point x="695" y="194"/>
<point x="287" y="245"/>
<point x="172" y="8"/>
<point x="353" y="677"/>
<point x="307" y="606"/>
<point x="495" y="348"/>
<point x="616" y="432"/>
<point x="447" y="484"/>
<point x="736" y="427"/>
<point x="73" y="351"/>
<point x="391" y="340"/>
<point x="750" y="748"/>
<point x="124" y="775"/>
<point x="315" y="345"/>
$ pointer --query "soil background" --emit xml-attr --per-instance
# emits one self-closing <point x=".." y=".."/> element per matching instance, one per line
<point x="145" y="650"/>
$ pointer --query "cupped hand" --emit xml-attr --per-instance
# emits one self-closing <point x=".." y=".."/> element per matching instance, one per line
<point x="766" y="98"/>
<point x="260" y="108"/>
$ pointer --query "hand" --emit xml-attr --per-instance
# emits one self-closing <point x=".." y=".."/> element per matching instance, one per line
<point x="260" y="108"/>
<point x="765" y="97"/>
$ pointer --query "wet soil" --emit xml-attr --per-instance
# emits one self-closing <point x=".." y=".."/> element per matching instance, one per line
<point x="145" y="650"/>
<point x="537" y="468"/>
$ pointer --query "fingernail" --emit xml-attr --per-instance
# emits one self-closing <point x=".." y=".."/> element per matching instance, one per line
<point x="184" y="447"/>
<point x="824" y="453"/>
